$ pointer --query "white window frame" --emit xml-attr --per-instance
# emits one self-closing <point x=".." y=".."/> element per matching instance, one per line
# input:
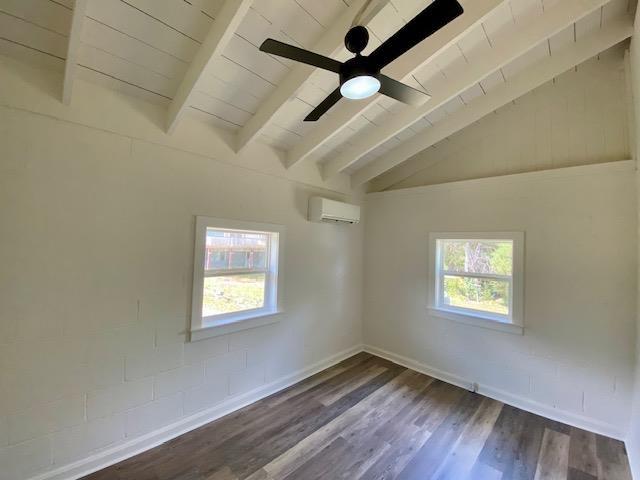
<point x="222" y="324"/>
<point x="512" y="323"/>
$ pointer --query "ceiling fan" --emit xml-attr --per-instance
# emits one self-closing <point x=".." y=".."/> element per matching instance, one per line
<point x="360" y="76"/>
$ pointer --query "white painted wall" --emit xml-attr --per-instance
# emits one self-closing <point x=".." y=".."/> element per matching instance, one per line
<point x="575" y="361"/>
<point x="579" y="118"/>
<point x="97" y="233"/>
<point x="633" y="439"/>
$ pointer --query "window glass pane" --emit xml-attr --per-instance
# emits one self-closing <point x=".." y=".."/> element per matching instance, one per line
<point x="259" y="259"/>
<point x="239" y="259"/>
<point x="232" y="293"/>
<point x="228" y="250"/>
<point x="218" y="259"/>
<point x="482" y="294"/>
<point x="477" y="256"/>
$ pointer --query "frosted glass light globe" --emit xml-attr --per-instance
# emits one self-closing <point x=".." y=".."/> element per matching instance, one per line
<point x="360" y="87"/>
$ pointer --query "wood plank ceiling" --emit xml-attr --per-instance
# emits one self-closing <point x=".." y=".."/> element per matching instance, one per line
<point x="144" y="47"/>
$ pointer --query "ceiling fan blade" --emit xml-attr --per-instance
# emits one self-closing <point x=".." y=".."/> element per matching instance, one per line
<point x="404" y="93"/>
<point x="438" y="14"/>
<point x="300" y="55"/>
<point x="333" y="98"/>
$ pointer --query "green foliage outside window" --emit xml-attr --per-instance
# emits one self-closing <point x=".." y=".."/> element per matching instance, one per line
<point x="477" y="257"/>
<point x="233" y="293"/>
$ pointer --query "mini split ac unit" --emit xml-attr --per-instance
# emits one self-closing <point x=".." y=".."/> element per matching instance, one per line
<point x="325" y="210"/>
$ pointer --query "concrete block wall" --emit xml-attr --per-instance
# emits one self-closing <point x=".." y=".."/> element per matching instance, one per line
<point x="150" y="386"/>
<point x="97" y="257"/>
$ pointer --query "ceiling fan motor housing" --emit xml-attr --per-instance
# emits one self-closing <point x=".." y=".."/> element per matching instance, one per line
<point x="357" y="66"/>
<point x="356" y="39"/>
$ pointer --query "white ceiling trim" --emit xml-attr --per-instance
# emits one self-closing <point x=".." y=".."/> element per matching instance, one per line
<point x="531" y="78"/>
<point x="401" y="69"/>
<point x="554" y="20"/>
<point x="222" y="30"/>
<point x="73" y="46"/>
<point x="329" y="44"/>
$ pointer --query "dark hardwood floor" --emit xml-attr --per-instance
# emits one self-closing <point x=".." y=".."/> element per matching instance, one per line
<point x="367" y="418"/>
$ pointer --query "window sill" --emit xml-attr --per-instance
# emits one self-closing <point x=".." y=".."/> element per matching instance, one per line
<point x="477" y="321"/>
<point x="235" y="324"/>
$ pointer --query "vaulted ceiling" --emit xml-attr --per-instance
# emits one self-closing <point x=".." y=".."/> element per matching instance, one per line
<point x="201" y="57"/>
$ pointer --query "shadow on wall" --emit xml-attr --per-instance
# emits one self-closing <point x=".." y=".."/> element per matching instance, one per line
<point x="301" y="200"/>
<point x="49" y="84"/>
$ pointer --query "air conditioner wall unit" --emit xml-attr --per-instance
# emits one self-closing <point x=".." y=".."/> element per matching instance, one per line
<point x="325" y="210"/>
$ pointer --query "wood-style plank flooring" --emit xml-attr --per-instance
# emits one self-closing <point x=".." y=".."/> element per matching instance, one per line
<point x="368" y="418"/>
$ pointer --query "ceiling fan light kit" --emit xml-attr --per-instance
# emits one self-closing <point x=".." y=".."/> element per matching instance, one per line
<point x="360" y="76"/>
<point x="362" y="86"/>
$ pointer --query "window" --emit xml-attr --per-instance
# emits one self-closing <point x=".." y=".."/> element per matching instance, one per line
<point x="235" y="278"/>
<point x="477" y="278"/>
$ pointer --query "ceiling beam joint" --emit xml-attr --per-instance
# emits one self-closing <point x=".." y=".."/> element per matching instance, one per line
<point x="73" y="48"/>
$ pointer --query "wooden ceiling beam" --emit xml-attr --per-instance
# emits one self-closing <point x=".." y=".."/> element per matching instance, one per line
<point x="522" y="83"/>
<point x="222" y="30"/>
<point x="554" y="20"/>
<point x="73" y="47"/>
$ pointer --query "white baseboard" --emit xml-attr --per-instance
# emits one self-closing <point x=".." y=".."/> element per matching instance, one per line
<point x="146" y="442"/>
<point x="517" y="401"/>
<point x="143" y="443"/>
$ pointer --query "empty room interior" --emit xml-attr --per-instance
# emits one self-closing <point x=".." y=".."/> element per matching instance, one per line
<point x="319" y="239"/>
